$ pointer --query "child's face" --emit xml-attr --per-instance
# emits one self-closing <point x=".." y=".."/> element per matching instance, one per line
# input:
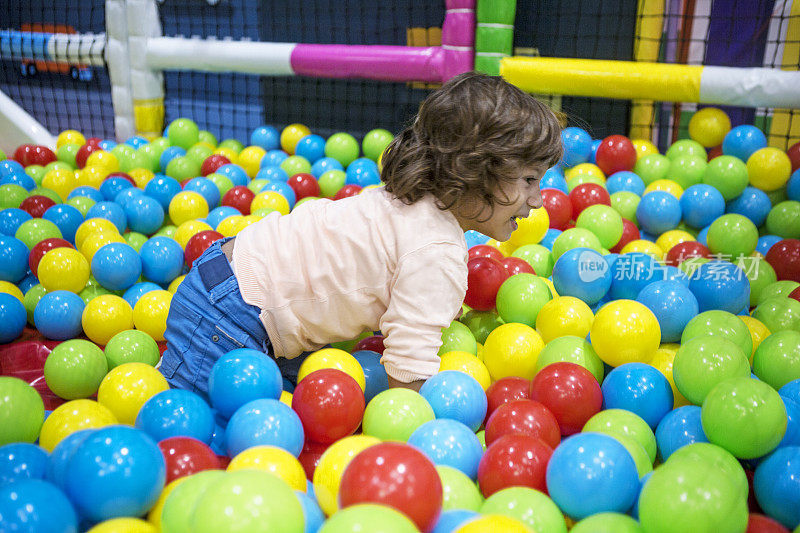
<point x="523" y="193"/>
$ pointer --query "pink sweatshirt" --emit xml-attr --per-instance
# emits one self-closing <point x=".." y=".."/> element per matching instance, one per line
<point x="331" y="270"/>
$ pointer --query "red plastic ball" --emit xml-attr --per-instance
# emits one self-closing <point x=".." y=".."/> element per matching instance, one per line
<point x="795" y="294"/>
<point x="373" y="343"/>
<point x="794" y="155"/>
<point x="212" y="163"/>
<point x="484" y="277"/>
<point x="484" y="250"/>
<point x="304" y="186"/>
<point x="523" y="417"/>
<point x="330" y="404"/>
<point x="629" y="233"/>
<point x="310" y="455"/>
<point x="587" y="194"/>
<point x="514" y="461"/>
<point x="84" y="152"/>
<point x="185" y="456"/>
<point x="615" y="153"/>
<point x="36" y="205"/>
<point x="685" y="250"/>
<point x="239" y="197"/>
<point x="570" y="392"/>
<point x="198" y="244"/>
<point x="506" y="390"/>
<point x="758" y="523"/>
<point x="347" y="191"/>
<point x="558" y="207"/>
<point x="784" y="258"/>
<point x="41" y="248"/>
<point x="21" y="154"/>
<point x="714" y="152"/>
<point x="397" y="475"/>
<point x="515" y="265"/>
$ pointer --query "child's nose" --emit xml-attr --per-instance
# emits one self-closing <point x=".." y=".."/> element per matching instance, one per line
<point x="535" y="200"/>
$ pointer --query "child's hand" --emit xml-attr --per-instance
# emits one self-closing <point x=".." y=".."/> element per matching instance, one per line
<point x="414" y="385"/>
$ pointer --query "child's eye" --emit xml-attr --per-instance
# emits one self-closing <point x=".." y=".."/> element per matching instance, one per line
<point x="531" y="181"/>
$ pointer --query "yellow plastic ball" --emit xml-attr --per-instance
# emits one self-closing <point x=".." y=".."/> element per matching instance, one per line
<point x="333" y="358"/>
<point x="105" y="316"/>
<point x="286" y="397"/>
<point x="127" y="387"/>
<point x="564" y="315"/>
<point x="250" y="159"/>
<point x="175" y="283"/>
<point x="645" y="247"/>
<point x="63" y="269"/>
<point x="585" y="169"/>
<point x="9" y="288"/>
<point x="667" y="240"/>
<point x="491" y="523"/>
<point x="124" y="525"/>
<point x="187" y="205"/>
<point x="73" y="416"/>
<point x="662" y="361"/>
<point x="530" y="230"/>
<point x="70" y="137"/>
<point x="506" y="248"/>
<point x="154" y="515"/>
<point x="328" y="474"/>
<point x="189" y="229"/>
<point x="102" y="159"/>
<point x="467" y="363"/>
<point x="61" y="181"/>
<point x="512" y="350"/>
<point x="141" y="176"/>
<point x="150" y="313"/>
<point x="97" y="240"/>
<point x="274" y="460"/>
<point x="93" y="225"/>
<point x="643" y="147"/>
<point x="709" y="126"/>
<point x="92" y="176"/>
<point x="229" y="226"/>
<point x="272" y="200"/>
<point x="665" y="185"/>
<point x="550" y="285"/>
<point x="625" y="331"/>
<point x="769" y="169"/>
<point x="232" y="155"/>
<point x="758" y="332"/>
<point x="291" y="135"/>
<point x="479" y="354"/>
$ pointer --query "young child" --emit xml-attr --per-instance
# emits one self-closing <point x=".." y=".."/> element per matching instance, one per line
<point x="392" y="259"/>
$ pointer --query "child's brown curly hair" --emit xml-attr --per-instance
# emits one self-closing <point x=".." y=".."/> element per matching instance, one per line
<point x="470" y="135"/>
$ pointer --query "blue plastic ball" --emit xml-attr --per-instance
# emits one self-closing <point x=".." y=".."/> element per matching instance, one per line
<point x="450" y="443"/>
<point x="58" y="315"/>
<point x="554" y="179"/>
<point x="57" y="461"/>
<point x="377" y="380"/>
<point x="176" y="413"/>
<point x="13" y="259"/>
<point x="162" y="188"/>
<point x="267" y="137"/>
<point x="793" y="186"/>
<point x="625" y="180"/>
<point x="671" y="273"/>
<point x="9" y="167"/>
<point x="678" y="428"/>
<point x="583" y="274"/>
<point x="791" y="390"/>
<point x="321" y="166"/>
<point x="107" y="144"/>
<point x="205" y="188"/>
<point x="23" y="180"/>
<point x="66" y="218"/>
<point x="109" y="211"/>
<point x="672" y="303"/>
<point x="87" y="192"/>
<point x="456" y="396"/>
<point x="22" y="460"/>
<point x="765" y="242"/>
<point x="792" y="435"/>
<point x="591" y="473"/>
<point x="313" y="515"/>
<point x="777" y="485"/>
<point x="577" y="146"/>
<point x="312" y="147"/>
<point x="168" y="155"/>
<point x="273" y="174"/>
<point x="136" y="141"/>
<point x="112" y="186"/>
<point x="720" y="285"/>
<point x="264" y="422"/>
<point x="117" y="471"/>
<point x="34" y="505"/>
<point x="240" y="376"/>
<point x="631" y="273"/>
<point x="221" y="213"/>
<point x="452" y="519"/>
<point x="475" y="238"/>
<point x="162" y="259"/>
<point x="639" y="388"/>
<point x="362" y="172"/>
<point x="658" y="212"/>
<point x="702" y="236"/>
<point x="273" y="158"/>
<point x="595" y="145"/>
<point x="752" y="203"/>
<point x="137" y="290"/>
<point x="126" y="195"/>
<point x="235" y="173"/>
<point x="27" y="282"/>
<point x="116" y="266"/>
<point x="11" y="219"/>
<point x="701" y="205"/>
<point x="743" y="141"/>
<point x="282" y="188"/>
<point x="550" y="237"/>
<point x="145" y="214"/>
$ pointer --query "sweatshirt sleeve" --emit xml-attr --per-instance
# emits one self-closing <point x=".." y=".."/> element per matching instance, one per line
<point x="426" y="295"/>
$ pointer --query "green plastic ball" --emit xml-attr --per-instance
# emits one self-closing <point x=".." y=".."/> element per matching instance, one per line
<point x="783" y="287"/>
<point x="652" y="167"/>
<point x="81" y="203"/>
<point x="718" y="323"/>
<point x="368" y="517"/>
<point x="92" y="290"/>
<point x="688" y="170"/>
<point x="21" y="411"/>
<point x="207" y="137"/>
<point x="703" y="362"/>
<point x="168" y="230"/>
<point x="35" y="230"/>
<point x="575" y="238"/>
<point x="760" y="274"/>
<point x="776" y="197"/>
<point x="183" y="132"/>
<point x="343" y="147"/>
<point x="686" y="147"/>
<point x="625" y="203"/>
<point x="375" y="142"/>
<point x="607" y="523"/>
<point x="604" y="221"/>
<point x="182" y="168"/>
<point x="198" y="153"/>
<point x="521" y="297"/>
<point x="135" y="239"/>
<point x="395" y="414"/>
<point x="527" y="505"/>
<point x="11" y="195"/>
<point x="619" y="421"/>
<point x="31" y="299"/>
<point x="727" y="174"/>
<point x="44" y="191"/>
<point x="571" y="349"/>
<point x="257" y="184"/>
<point x="74" y="369"/>
<point x="148" y="155"/>
<point x="538" y="257"/>
<point x="223" y="183"/>
<point x="67" y="153"/>
<point x="777" y="359"/>
<point x="36" y="172"/>
<point x="458" y="337"/>
<point x="331" y="181"/>
<point x="231" y="144"/>
<point x="481" y="323"/>
<point x="783" y="220"/>
<point x="640" y="458"/>
<point x="131" y="346"/>
<point x="458" y="490"/>
<point x="779" y="313"/>
<point x="745" y="416"/>
<point x="580" y="179"/>
<point x="176" y="515"/>
<point x="717" y="457"/>
<point x="732" y="236"/>
<point x="296" y="164"/>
